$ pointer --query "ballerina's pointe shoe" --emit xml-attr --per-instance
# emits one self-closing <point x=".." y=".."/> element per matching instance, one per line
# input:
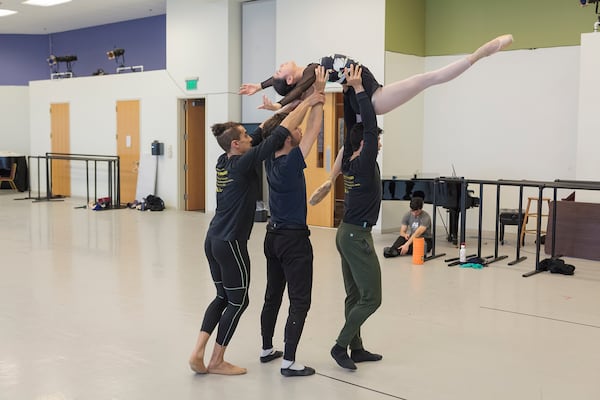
<point x="504" y="41"/>
<point x="320" y="193"/>
<point x="491" y="47"/>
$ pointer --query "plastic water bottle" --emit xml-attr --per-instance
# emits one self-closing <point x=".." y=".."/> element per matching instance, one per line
<point x="462" y="253"/>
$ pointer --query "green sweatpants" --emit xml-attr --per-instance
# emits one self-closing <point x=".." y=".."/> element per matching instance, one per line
<point x="362" y="280"/>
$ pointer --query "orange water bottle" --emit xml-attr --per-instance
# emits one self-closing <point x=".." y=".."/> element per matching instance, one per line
<point x="418" y="251"/>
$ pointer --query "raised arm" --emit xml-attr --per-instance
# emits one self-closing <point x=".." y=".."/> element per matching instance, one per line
<point x="249" y="89"/>
<point x="295" y="118"/>
<point x="315" y="117"/>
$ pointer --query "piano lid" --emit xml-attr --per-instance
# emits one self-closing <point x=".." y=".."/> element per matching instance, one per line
<point x="408" y="177"/>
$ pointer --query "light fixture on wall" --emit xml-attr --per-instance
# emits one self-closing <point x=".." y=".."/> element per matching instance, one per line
<point x="119" y="56"/>
<point x="584" y="3"/>
<point x="54" y="63"/>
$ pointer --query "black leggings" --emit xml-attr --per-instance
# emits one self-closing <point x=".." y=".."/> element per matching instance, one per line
<point x="230" y="270"/>
<point x="289" y="256"/>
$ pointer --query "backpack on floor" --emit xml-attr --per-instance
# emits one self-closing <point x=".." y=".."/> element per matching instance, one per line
<point x="154" y="203"/>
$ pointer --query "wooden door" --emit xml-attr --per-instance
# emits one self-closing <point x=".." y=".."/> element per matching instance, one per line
<point x="60" y="139"/>
<point x="194" y="137"/>
<point x="320" y="161"/>
<point x="128" y="147"/>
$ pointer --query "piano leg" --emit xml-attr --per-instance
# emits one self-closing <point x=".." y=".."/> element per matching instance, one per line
<point x="453" y="225"/>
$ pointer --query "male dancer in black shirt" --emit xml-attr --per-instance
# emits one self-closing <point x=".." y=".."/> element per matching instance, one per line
<point x="287" y="245"/>
<point x="360" y="266"/>
<point x="227" y="236"/>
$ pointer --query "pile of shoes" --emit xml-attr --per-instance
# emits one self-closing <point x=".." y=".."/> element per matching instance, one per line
<point x="102" y="204"/>
<point x="556" y="266"/>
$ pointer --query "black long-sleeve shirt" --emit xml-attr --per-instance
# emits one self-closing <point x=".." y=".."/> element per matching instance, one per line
<point x="238" y="185"/>
<point x="362" y="179"/>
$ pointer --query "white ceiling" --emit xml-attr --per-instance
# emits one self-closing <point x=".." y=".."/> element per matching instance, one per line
<point x="75" y="14"/>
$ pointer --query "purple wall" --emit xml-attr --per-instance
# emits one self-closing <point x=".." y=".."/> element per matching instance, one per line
<point x="23" y="57"/>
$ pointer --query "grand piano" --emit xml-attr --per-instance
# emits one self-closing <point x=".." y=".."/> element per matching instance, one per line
<point x="440" y="191"/>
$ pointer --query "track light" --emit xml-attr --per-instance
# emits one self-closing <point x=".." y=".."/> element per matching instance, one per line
<point x="586" y="2"/>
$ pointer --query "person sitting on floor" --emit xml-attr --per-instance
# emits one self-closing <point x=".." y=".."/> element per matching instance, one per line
<point x="415" y="223"/>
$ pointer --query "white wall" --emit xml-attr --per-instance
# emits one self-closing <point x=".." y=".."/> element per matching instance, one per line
<point x="402" y="151"/>
<point x="204" y="40"/>
<point x="258" y="55"/>
<point x="14" y="119"/>
<point x="511" y="116"/>
<point x="93" y="121"/>
<point x="310" y="29"/>
<point x="588" y="134"/>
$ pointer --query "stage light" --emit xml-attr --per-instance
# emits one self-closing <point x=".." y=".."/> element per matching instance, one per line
<point x="112" y="54"/>
<point x="54" y="63"/>
<point x="66" y="59"/>
<point x="119" y="56"/>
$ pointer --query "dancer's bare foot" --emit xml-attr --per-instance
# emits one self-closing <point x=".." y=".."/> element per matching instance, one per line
<point x="225" y="368"/>
<point x="320" y="193"/>
<point x="491" y="47"/>
<point x="198" y="366"/>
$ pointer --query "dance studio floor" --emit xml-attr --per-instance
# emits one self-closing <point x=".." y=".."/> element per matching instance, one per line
<point x="106" y="305"/>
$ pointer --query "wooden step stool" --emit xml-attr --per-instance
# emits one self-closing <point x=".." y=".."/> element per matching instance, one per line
<point x="532" y="214"/>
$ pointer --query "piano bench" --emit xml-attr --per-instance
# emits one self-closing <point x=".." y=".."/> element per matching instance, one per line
<point x="508" y="216"/>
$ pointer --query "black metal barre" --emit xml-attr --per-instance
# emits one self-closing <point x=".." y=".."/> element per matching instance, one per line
<point x="113" y="165"/>
<point x="541" y="185"/>
<point x="38" y="198"/>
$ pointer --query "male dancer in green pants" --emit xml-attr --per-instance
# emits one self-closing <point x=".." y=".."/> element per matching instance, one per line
<point x="360" y="266"/>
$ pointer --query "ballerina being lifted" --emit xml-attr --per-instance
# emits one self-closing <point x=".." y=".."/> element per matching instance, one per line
<point x="292" y="81"/>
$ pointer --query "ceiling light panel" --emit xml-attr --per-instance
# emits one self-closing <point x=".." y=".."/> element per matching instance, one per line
<point x="45" y="3"/>
<point x="4" y="13"/>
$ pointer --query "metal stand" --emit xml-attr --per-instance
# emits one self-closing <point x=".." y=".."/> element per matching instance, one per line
<point x="135" y="68"/>
<point x="61" y="75"/>
<point x="433" y="255"/>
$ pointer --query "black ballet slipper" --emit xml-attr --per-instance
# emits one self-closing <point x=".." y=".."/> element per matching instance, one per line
<point x="274" y="355"/>
<point x="362" y="355"/>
